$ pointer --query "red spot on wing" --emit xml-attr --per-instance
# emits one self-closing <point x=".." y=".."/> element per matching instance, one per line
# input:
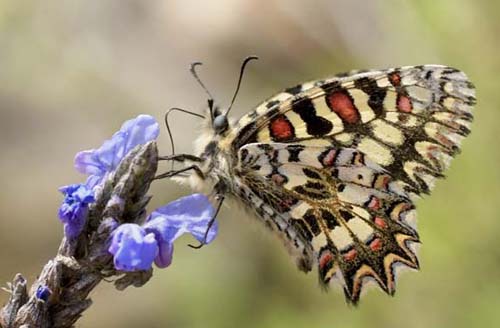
<point x="278" y="179"/>
<point x="380" y="222"/>
<point x="329" y="158"/>
<point x="374" y="203"/>
<point x="281" y="129"/>
<point x="403" y="103"/>
<point x="325" y="259"/>
<point x="351" y="255"/>
<point x="285" y="204"/>
<point x="341" y="103"/>
<point x="395" y="79"/>
<point x="376" y="244"/>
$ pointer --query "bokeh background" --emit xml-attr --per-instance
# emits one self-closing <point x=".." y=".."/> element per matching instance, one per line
<point x="72" y="71"/>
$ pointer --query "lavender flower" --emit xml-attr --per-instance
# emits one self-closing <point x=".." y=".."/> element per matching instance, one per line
<point x="74" y="208"/>
<point x="135" y="247"/>
<point x="131" y="244"/>
<point x="120" y="173"/>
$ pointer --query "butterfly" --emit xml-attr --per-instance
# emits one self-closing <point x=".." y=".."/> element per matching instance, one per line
<point x="334" y="166"/>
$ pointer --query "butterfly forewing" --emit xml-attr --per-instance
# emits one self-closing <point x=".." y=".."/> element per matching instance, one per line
<point x="409" y="120"/>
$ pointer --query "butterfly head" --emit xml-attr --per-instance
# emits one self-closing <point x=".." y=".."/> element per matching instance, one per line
<point x="220" y="123"/>
<point x="215" y="127"/>
<point x="218" y="119"/>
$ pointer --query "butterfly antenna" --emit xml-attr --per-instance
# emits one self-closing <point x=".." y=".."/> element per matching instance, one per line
<point x="242" y="70"/>
<point x="192" y="69"/>
<point x="170" y="131"/>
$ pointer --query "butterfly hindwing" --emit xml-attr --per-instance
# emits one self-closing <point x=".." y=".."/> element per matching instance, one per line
<point x="358" y="221"/>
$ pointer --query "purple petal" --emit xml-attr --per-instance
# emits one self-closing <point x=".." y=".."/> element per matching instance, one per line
<point x="164" y="257"/>
<point x="69" y="189"/>
<point x="199" y="229"/>
<point x="73" y="217"/>
<point x="192" y="208"/>
<point x="84" y="195"/>
<point x="163" y="229"/>
<point x="133" y="249"/>
<point x="94" y="180"/>
<point x="140" y="130"/>
<point x="111" y="151"/>
<point x="87" y="163"/>
<point x="189" y="214"/>
<point x="98" y="162"/>
<point x="74" y="209"/>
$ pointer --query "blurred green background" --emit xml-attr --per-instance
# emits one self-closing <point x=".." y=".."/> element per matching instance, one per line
<point x="72" y="71"/>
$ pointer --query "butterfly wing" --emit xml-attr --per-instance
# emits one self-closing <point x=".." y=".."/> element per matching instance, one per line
<point x="333" y="166"/>
<point x="338" y="209"/>
<point x="409" y="120"/>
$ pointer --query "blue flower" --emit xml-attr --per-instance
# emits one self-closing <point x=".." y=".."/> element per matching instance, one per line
<point x="74" y="209"/>
<point x="97" y="163"/>
<point x="132" y="245"/>
<point x="43" y="293"/>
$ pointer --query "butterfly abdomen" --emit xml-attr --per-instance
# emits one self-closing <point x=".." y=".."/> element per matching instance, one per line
<point x="260" y="202"/>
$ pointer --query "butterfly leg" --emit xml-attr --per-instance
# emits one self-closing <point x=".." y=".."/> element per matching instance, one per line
<point x="219" y="190"/>
<point x="172" y="173"/>
<point x="220" y="200"/>
<point x="180" y="158"/>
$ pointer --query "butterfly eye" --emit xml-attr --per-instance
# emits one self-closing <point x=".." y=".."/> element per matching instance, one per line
<point x="220" y="123"/>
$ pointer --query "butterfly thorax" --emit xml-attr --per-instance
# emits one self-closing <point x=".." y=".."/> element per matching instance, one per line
<point x="213" y="147"/>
